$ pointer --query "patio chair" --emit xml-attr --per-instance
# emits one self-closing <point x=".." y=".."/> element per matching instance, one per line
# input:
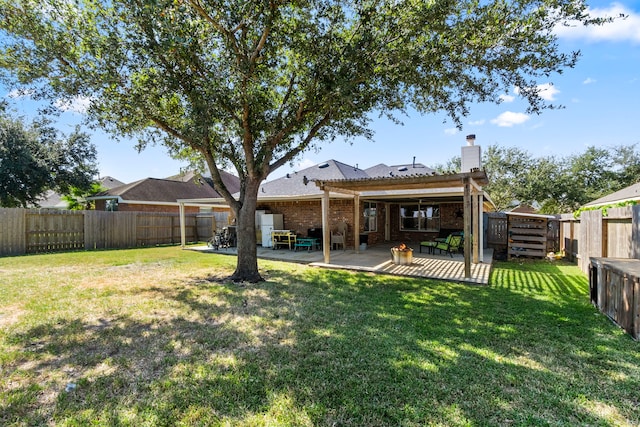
<point x="450" y="245"/>
<point x="339" y="235"/>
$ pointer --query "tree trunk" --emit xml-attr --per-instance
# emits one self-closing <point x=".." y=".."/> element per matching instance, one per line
<point x="247" y="267"/>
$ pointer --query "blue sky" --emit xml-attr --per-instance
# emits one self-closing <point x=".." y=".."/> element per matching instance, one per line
<point x="600" y="95"/>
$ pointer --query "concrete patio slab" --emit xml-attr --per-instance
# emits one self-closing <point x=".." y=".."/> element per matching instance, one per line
<point x="377" y="259"/>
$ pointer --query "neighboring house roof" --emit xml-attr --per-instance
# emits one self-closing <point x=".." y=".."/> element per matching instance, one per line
<point x="230" y="181"/>
<point x="524" y="208"/>
<point x="53" y="200"/>
<point x="630" y="193"/>
<point x="165" y="191"/>
<point x="110" y="182"/>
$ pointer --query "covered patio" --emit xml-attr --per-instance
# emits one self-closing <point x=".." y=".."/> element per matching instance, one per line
<point x="466" y="186"/>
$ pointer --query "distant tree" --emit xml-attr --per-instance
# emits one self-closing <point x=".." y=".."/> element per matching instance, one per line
<point x="252" y="83"/>
<point x="507" y="169"/>
<point x="555" y="185"/>
<point x="453" y="165"/>
<point x="626" y="161"/>
<point x="35" y="158"/>
<point x="76" y="198"/>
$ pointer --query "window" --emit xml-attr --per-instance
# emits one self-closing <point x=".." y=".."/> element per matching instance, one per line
<point x="419" y="217"/>
<point x="369" y="212"/>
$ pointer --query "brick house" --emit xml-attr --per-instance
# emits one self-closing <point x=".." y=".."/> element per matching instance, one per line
<point x="409" y="215"/>
<point x="161" y="195"/>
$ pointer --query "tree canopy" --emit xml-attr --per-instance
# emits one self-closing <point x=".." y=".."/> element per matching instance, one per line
<point x="251" y="84"/>
<point x="35" y="158"/>
<point x="555" y="185"/>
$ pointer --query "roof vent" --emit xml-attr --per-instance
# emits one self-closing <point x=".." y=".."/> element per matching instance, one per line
<point x="323" y="165"/>
<point x="403" y="168"/>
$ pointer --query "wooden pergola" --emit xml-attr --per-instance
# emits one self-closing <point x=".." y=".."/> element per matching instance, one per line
<point x="415" y="185"/>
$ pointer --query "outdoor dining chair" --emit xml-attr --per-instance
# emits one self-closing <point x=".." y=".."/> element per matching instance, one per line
<point x="450" y="245"/>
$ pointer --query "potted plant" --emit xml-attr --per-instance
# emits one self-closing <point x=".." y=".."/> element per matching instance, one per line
<point x="401" y="254"/>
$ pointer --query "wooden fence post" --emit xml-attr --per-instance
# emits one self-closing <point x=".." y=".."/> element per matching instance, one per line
<point x="635" y="232"/>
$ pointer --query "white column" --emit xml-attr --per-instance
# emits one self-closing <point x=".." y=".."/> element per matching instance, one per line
<point x="326" y="232"/>
<point x="183" y="231"/>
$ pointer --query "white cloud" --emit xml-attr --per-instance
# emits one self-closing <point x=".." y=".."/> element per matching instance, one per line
<point x="451" y="131"/>
<point x="547" y="91"/>
<point x="588" y="81"/>
<point x="477" y="122"/>
<point x="507" y="98"/>
<point x="625" y="27"/>
<point x="509" y="119"/>
<point x="78" y="104"/>
<point x="20" y="93"/>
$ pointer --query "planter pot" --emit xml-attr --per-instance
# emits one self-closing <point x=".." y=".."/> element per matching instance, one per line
<point x="401" y="257"/>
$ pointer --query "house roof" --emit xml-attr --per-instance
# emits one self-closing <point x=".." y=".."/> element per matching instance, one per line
<point x="230" y="181"/>
<point x="109" y="182"/>
<point x="381" y="170"/>
<point x="167" y="191"/>
<point x="524" y="208"/>
<point x="399" y="182"/>
<point x="298" y="184"/>
<point x="629" y="193"/>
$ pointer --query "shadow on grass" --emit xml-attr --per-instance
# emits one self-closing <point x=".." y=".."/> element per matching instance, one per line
<point x="326" y="347"/>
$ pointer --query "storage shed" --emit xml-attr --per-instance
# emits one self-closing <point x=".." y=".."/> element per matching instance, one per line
<point x="527" y="234"/>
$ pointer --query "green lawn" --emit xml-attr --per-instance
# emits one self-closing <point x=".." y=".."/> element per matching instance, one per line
<point x="153" y="337"/>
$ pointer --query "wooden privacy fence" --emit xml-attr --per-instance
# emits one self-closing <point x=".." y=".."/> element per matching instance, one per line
<point x="614" y="287"/>
<point x="25" y="231"/>
<point x="614" y="235"/>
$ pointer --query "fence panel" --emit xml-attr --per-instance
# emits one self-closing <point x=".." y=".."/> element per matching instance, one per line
<point x="618" y="233"/>
<point x="192" y="227"/>
<point x="51" y="230"/>
<point x="206" y="224"/>
<point x="590" y="238"/>
<point x="110" y="230"/>
<point x="12" y="236"/>
<point x="497" y="230"/>
<point x="154" y="229"/>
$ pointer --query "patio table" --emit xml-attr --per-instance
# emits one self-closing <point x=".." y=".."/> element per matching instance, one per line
<point x="430" y="244"/>
<point x="307" y="242"/>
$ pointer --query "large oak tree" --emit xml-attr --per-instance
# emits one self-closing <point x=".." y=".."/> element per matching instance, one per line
<point x="251" y="84"/>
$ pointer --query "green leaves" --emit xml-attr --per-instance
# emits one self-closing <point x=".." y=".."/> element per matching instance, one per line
<point x="557" y="185"/>
<point x="278" y="75"/>
<point x="37" y="158"/>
